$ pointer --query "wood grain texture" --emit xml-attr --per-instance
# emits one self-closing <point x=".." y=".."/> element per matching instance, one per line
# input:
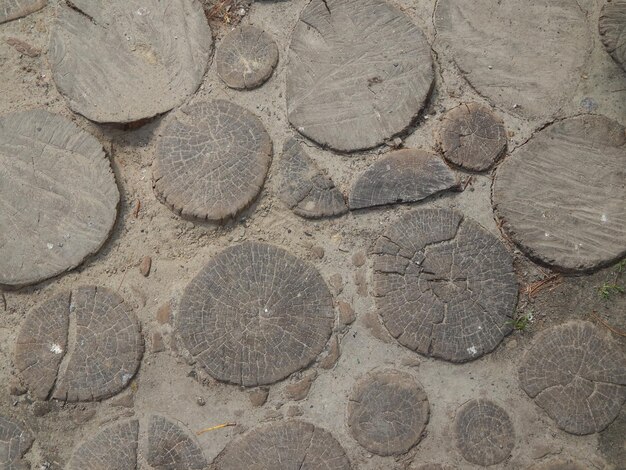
<point x="511" y="55"/>
<point x="58" y="197"/>
<point x="304" y="188"/>
<point x="126" y="60"/>
<point x="402" y="176"/>
<point x="13" y="9"/>
<point x="612" y="27"/>
<point x="562" y="196"/>
<point x="246" y="58"/>
<point x="359" y="72"/>
<point x="211" y="160"/>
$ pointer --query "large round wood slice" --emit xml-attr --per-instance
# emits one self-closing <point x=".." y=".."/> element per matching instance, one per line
<point x="359" y="72"/>
<point x="13" y="9"/>
<point x="472" y="137"/>
<point x="387" y="412"/>
<point x="58" y="197"/>
<point x="79" y="345"/>
<point x="304" y="188"/>
<point x="126" y="60"/>
<point x="246" y="58"/>
<point x="112" y="448"/>
<point x="511" y="55"/>
<point x="15" y="441"/>
<point x="284" y="446"/>
<point x="443" y="285"/>
<point x="577" y="375"/>
<point x="255" y="314"/>
<point x="561" y="197"/>
<point x="484" y="432"/>
<point x="612" y="26"/>
<point x="212" y="160"/>
<point x="402" y="176"/>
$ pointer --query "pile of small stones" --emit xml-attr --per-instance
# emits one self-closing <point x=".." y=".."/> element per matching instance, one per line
<point x="444" y="286"/>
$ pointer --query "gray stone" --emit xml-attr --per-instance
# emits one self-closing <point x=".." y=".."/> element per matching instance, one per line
<point x="15" y="441"/>
<point x="112" y="448"/>
<point x="13" y="9"/>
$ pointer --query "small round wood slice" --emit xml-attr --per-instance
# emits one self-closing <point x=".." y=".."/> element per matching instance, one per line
<point x="304" y="188"/>
<point x="577" y="375"/>
<point x="246" y="58"/>
<point x="561" y="197"/>
<point x="472" y="137"/>
<point x="211" y="160"/>
<point x="388" y="412"/>
<point x="400" y="177"/>
<point x="359" y="72"/>
<point x="284" y="446"/>
<point x="511" y="55"/>
<point x="79" y="345"/>
<point x="484" y="432"/>
<point x="255" y="314"/>
<point x="58" y="193"/>
<point x="123" y="61"/>
<point x="13" y="9"/>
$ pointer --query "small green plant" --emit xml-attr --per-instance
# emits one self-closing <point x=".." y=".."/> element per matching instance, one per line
<point x="608" y="290"/>
<point x="523" y="321"/>
<point x="620" y="267"/>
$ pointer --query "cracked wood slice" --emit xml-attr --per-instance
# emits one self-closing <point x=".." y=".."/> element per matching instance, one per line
<point x="13" y="9"/>
<point x="112" y="448"/>
<point x="612" y="27"/>
<point x="246" y="58"/>
<point x="58" y="197"/>
<point x="255" y="314"/>
<point x="472" y="137"/>
<point x="211" y="160"/>
<point x="126" y="60"/>
<point x="443" y="285"/>
<point x="484" y="432"/>
<point x="304" y="188"/>
<point x="79" y="345"/>
<point x="512" y="56"/>
<point x="284" y="446"/>
<point x="388" y="412"/>
<point x="561" y="197"/>
<point x="402" y="176"/>
<point x="172" y="447"/>
<point x="576" y="374"/>
<point x="15" y="440"/>
<point x="359" y="72"/>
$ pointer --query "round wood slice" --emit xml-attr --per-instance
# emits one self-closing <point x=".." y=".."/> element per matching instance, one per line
<point x="511" y="55"/>
<point x="126" y="60"/>
<point x="359" y="72"/>
<point x="561" y="197"/>
<point x="58" y="196"/>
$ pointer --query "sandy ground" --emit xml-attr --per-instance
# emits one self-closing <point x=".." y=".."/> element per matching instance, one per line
<point x="166" y="383"/>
